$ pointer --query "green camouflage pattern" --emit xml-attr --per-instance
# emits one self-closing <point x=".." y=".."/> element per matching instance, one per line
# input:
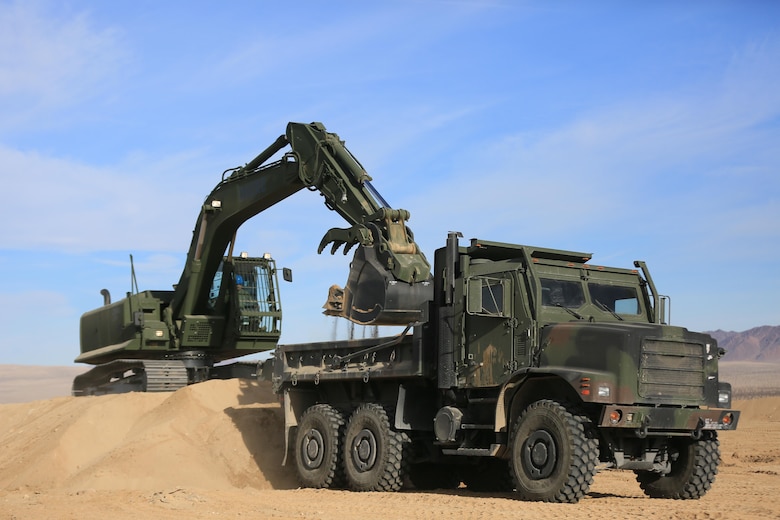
<point x="534" y="311"/>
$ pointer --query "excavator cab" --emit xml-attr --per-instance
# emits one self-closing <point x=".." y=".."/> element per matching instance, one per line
<point x="256" y="306"/>
<point x="247" y="291"/>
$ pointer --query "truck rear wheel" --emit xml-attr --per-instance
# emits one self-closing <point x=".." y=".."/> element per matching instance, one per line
<point x="318" y="447"/>
<point x="553" y="455"/>
<point x="694" y="466"/>
<point x="373" y="453"/>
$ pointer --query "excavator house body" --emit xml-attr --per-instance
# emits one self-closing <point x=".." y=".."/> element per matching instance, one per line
<point x="139" y="325"/>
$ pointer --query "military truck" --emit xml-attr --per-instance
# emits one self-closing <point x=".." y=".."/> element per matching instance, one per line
<point x="530" y="369"/>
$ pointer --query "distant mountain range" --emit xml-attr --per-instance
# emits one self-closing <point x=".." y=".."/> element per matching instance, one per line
<point x="757" y="344"/>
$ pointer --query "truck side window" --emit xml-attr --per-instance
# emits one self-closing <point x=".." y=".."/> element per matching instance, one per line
<point x="487" y="296"/>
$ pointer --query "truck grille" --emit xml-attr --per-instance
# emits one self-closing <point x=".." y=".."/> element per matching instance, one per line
<point x="671" y="369"/>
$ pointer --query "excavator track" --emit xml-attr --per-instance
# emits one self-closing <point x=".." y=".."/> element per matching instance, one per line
<point x="165" y="376"/>
<point x="132" y="375"/>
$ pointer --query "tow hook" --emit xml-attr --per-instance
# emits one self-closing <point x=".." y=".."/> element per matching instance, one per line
<point x="696" y="433"/>
<point x="642" y="431"/>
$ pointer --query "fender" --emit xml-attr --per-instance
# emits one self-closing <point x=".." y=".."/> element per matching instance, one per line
<point x="590" y="386"/>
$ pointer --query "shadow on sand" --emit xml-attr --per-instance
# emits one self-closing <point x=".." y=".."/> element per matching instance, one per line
<point x="260" y="420"/>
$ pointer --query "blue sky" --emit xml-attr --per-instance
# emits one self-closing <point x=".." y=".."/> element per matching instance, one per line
<point x="633" y="131"/>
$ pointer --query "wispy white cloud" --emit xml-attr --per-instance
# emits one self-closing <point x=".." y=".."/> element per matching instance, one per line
<point x="40" y="327"/>
<point x="62" y="204"/>
<point x="33" y="300"/>
<point x="333" y="49"/>
<point x="51" y="61"/>
<point x="640" y="154"/>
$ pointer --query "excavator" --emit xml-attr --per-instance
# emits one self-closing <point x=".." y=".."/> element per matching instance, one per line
<point x="227" y="305"/>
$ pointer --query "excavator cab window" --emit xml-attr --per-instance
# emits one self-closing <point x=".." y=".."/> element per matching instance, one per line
<point x="256" y="305"/>
<point x="216" y="286"/>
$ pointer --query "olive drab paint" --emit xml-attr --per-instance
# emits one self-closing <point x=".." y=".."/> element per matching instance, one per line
<point x="533" y="359"/>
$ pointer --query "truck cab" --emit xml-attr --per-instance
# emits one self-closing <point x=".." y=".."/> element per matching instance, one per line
<point x="552" y="334"/>
<point x="528" y="308"/>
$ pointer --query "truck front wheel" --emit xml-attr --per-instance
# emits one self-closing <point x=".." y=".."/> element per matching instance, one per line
<point x="694" y="464"/>
<point x="553" y="453"/>
<point x="373" y="453"/>
<point x="318" y="447"/>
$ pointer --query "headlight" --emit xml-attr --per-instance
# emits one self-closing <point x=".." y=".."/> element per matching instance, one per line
<point x="724" y="395"/>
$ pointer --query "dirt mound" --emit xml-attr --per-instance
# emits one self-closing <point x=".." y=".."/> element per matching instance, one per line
<point x="215" y="435"/>
<point x="214" y="450"/>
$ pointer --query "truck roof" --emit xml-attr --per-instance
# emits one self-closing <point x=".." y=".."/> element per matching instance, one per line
<point x="497" y="251"/>
<point x="502" y="251"/>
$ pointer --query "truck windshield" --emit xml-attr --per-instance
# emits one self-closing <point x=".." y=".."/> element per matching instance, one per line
<point x="615" y="298"/>
<point x="562" y="293"/>
<point x="570" y="294"/>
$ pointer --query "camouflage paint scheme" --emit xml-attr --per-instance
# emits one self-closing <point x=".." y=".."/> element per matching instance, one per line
<point x="496" y="337"/>
<point x="634" y="358"/>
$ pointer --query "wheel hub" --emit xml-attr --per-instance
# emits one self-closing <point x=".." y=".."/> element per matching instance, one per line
<point x="539" y="455"/>
<point x="312" y="449"/>
<point x="364" y="450"/>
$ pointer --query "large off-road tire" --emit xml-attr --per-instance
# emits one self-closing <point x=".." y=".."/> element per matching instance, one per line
<point x="694" y="466"/>
<point x="373" y="453"/>
<point x="553" y="453"/>
<point x="489" y="474"/>
<point x="428" y="475"/>
<point x="318" y="447"/>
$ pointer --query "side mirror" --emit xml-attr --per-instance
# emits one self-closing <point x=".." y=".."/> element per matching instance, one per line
<point x="287" y="274"/>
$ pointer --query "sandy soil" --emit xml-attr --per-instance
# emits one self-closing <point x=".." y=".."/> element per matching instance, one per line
<point x="23" y="383"/>
<point x="214" y="450"/>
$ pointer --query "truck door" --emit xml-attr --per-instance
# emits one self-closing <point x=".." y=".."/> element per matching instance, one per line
<point x="488" y="330"/>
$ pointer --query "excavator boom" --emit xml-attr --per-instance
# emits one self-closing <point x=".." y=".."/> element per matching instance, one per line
<point x="319" y="161"/>
<point x="225" y="307"/>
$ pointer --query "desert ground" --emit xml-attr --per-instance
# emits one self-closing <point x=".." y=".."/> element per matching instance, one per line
<point x="214" y="450"/>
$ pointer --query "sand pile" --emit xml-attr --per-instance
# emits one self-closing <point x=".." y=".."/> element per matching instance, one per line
<point x="214" y="450"/>
<point x="216" y="435"/>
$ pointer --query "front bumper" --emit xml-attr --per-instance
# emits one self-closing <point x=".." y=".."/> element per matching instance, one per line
<point x="651" y="420"/>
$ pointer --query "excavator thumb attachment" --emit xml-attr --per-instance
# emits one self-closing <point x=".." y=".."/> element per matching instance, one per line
<point x="373" y="296"/>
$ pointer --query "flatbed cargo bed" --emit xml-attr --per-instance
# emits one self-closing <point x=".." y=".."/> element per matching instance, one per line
<point x="395" y="357"/>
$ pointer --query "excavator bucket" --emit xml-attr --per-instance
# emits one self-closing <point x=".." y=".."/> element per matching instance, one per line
<point x="373" y="296"/>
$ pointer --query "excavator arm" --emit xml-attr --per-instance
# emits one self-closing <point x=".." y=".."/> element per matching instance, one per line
<point x="389" y="277"/>
<point x="331" y="169"/>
